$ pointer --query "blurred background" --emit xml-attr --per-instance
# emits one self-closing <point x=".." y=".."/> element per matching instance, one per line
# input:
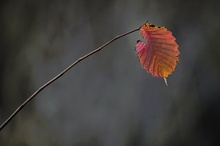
<point x="108" y="99"/>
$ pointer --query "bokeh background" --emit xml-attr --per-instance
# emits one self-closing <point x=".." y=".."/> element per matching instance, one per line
<point x="108" y="99"/>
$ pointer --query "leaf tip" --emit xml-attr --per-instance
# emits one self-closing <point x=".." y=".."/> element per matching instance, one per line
<point x="165" y="80"/>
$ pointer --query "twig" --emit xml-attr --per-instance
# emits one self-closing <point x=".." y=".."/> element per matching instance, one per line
<point x="61" y="74"/>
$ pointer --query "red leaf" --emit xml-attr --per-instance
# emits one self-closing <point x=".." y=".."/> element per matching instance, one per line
<point x="160" y="55"/>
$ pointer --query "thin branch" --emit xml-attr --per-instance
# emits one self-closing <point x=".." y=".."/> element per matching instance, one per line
<point x="61" y="74"/>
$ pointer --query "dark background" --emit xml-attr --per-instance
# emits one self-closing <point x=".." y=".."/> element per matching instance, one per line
<point x="108" y="99"/>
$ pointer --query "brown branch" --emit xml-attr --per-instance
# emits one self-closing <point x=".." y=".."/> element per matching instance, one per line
<point x="61" y="74"/>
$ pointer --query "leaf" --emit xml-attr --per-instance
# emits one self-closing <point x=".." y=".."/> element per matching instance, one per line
<point x="160" y="54"/>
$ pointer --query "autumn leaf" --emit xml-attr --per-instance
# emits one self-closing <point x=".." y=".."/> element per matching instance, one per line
<point x="160" y="54"/>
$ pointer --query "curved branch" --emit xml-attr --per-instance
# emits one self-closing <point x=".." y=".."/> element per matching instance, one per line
<point x="61" y="74"/>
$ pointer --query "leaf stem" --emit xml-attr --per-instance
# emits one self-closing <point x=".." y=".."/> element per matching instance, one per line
<point x="61" y="74"/>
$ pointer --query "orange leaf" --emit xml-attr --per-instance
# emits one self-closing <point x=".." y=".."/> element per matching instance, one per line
<point x="160" y="54"/>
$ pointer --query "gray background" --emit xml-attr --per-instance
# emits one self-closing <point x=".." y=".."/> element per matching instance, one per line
<point x="108" y="99"/>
